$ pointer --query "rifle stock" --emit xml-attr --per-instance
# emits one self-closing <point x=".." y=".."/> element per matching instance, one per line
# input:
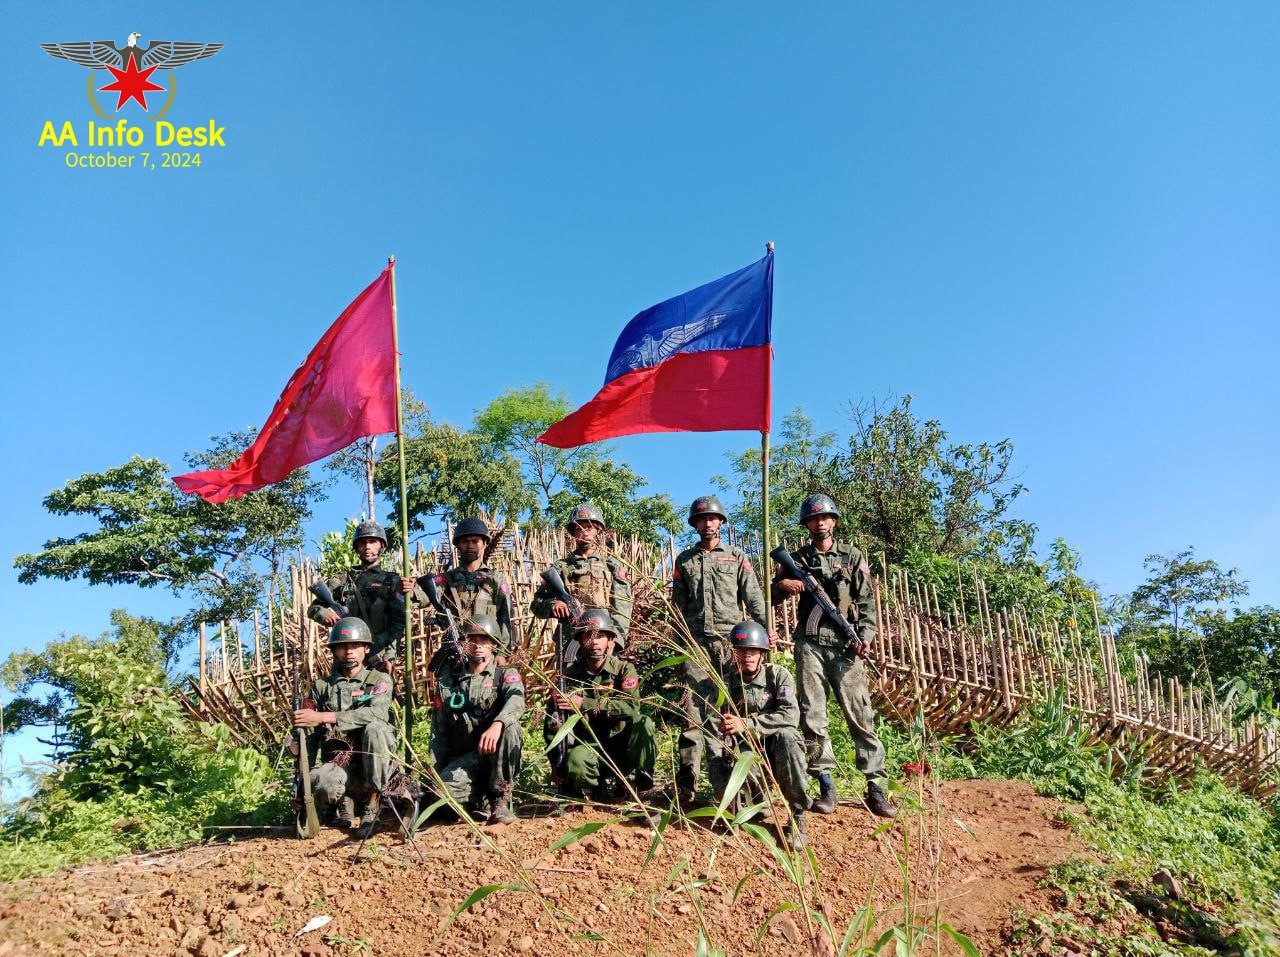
<point x="556" y="584"/>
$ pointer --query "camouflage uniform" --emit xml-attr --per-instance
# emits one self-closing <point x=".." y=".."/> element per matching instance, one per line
<point x="709" y="587"/>
<point x="825" y="663"/>
<point x="468" y="594"/>
<point x="768" y="705"/>
<point x="373" y="596"/>
<point x="465" y="706"/>
<point x="362" y="704"/>
<point x="597" y="581"/>
<point x="611" y="709"/>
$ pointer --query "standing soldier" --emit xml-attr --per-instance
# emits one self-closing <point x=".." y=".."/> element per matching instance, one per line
<point x="760" y="711"/>
<point x="711" y="584"/>
<point x="616" y="736"/>
<point x="368" y="593"/>
<point x="351" y="711"/>
<point x="475" y="734"/>
<point x="596" y="580"/>
<point x="824" y="661"/>
<point x="471" y="587"/>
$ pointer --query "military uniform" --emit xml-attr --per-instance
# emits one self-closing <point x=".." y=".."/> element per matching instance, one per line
<point x="361" y="743"/>
<point x="768" y="705"/>
<point x="468" y="594"/>
<point x="709" y="588"/>
<point x="597" y="581"/>
<point x="611" y="710"/>
<point x="373" y="596"/>
<point x="825" y="662"/>
<point x="466" y="704"/>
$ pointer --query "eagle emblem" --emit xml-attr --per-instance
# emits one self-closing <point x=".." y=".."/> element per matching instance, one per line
<point x="652" y="349"/>
<point x="131" y="65"/>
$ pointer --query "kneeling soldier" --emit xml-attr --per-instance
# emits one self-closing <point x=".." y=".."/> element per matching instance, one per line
<point x="613" y="735"/>
<point x="760" y="706"/>
<point x="475" y="734"/>
<point x="353" y="737"/>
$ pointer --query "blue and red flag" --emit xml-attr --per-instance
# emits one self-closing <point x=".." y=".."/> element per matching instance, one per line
<point x="700" y="362"/>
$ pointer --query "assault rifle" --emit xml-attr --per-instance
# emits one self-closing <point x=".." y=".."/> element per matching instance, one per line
<point x="306" y="821"/>
<point x="555" y="583"/>
<point x="819" y="594"/>
<point x="455" y="649"/>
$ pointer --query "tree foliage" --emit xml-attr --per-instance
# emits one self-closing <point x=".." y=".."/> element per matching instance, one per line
<point x="148" y="533"/>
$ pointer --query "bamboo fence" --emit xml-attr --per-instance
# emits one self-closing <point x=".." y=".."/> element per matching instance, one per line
<point x="949" y="667"/>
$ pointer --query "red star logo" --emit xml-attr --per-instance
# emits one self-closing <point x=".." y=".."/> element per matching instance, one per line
<point x="131" y="83"/>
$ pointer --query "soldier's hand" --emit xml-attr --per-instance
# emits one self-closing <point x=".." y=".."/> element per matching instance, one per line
<point x="489" y="740"/>
<point x="307" y="718"/>
<point x="790" y="587"/>
<point x="566" y="702"/>
<point x="732" y="724"/>
<point x="559" y="609"/>
<point x="328" y="616"/>
<point x="407" y="585"/>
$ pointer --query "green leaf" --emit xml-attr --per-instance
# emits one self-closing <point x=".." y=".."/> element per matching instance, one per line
<point x="565" y="728"/>
<point x="963" y="942"/>
<point x="479" y="894"/>
<point x="578" y="833"/>
<point x="741" y="768"/>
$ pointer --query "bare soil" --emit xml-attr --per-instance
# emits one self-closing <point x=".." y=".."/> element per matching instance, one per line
<point x="976" y="852"/>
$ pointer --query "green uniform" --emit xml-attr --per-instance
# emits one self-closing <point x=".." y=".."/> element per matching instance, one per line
<point x="597" y="581"/>
<point x="768" y="705"/>
<point x="481" y="592"/>
<point x="356" y="753"/>
<point x="374" y="596"/>
<point x="466" y="704"/>
<point x="825" y="664"/>
<point x="618" y="726"/>
<point x="710" y="588"/>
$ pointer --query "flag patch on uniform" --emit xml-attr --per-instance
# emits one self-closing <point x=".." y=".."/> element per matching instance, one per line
<point x="746" y="563"/>
<point x="620" y="574"/>
<point x="676" y="576"/>
<point x="629" y="682"/>
<point x="512" y="678"/>
<point x="781" y="693"/>
<point x="506" y="589"/>
<point x="382" y="687"/>
<point x="437" y="702"/>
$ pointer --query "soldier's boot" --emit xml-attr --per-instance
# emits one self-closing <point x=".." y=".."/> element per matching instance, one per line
<point x="686" y="788"/>
<point x="798" y="831"/>
<point x="500" y="801"/>
<point x="877" y="802"/>
<point x="369" y="816"/>
<point x="760" y="795"/>
<point x="344" y="814"/>
<point x="644" y="782"/>
<point x="608" y="791"/>
<point x="827" y="797"/>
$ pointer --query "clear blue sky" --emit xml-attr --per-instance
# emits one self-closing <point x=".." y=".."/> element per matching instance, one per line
<point x="1057" y="223"/>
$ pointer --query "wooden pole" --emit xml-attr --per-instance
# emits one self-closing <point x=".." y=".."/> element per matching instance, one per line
<point x="409" y="664"/>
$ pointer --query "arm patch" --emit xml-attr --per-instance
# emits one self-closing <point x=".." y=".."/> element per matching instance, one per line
<point x="512" y="678"/>
<point x="629" y="682"/>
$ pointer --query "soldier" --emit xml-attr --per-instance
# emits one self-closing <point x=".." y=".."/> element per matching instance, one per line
<point x="596" y="580"/>
<point x="825" y="663"/>
<point x="760" y="712"/>
<point x="475" y="734"/>
<point x="368" y="593"/>
<point x="606" y="691"/>
<point x="471" y="587"/>
<point x="711" y="584"/>
<point x="350" y="711"/>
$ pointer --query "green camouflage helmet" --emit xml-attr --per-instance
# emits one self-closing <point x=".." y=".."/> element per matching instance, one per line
<point x="370" y="529"/>
<point x="595" y="619"/>
<point x="749" y="634"/>
<point x="350" y="631"/>
<point x="470" y="526"/>
<point x="816" y="505"/>
<point x="484" y="626"/>
<point x="706" y="505"/>
<point x="585" y="512"/>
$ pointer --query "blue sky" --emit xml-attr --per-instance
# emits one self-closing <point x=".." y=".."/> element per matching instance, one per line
<point x="1057" y="223"/>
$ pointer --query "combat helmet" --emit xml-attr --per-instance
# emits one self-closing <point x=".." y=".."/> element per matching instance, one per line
<point x="370" y="529"/>
<point x="350" y="631"/>
<point x="485" y="626"/>
<point x="706" y="505"/>
<point x="585" y="512"/>
<point x="818" y="504"/>
<point x="470" y="526"/>
<point x="595" y="619"/>
<point x="749" y="634"/>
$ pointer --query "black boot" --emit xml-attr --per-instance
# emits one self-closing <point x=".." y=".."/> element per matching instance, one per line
<point x="501" y="804"/>
<point x="827" y="797"/>
<point x="344" y="814"/>
<point x="644" y="782"/>
<point x="877" y="802"/>
<point x="369" y="816"/>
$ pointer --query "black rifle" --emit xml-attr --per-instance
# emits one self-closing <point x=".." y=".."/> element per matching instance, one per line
<point x="306" y="821"/>
<point x="555" y="583"/>
<point x="428" y="583"/>
<point x="321" y="591"/>
<point x="819" y="594"/>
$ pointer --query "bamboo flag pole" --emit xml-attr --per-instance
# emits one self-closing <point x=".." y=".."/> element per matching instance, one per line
<point x="409" y="664"/>
<point x="766" y="570"/>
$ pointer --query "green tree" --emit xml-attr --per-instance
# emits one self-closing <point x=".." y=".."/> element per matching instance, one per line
<point x="149" y="533"/>
<point x="1244" y="646"/>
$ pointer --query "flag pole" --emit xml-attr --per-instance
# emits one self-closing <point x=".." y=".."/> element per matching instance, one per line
<point x="765" y="569"/>
<point x="406" y="571"/>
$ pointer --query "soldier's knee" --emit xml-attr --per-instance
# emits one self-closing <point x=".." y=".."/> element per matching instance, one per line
<point x="379" y="736"/>
<point x="329" y="782"/>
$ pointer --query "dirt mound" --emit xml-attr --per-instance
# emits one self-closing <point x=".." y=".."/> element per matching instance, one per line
<point x="976" y="850"/>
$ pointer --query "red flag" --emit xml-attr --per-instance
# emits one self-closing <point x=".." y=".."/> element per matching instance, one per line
<point x="346" y="389"/>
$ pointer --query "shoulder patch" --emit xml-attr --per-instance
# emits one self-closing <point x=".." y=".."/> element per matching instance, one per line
<point x="676" y="575"/>
<point x="746" y="563"/>
<point x="512" y="678"/>
<point x="505" y="588"/>
<point x="620" y="573"/>
<point x="382" y="687"/>
<point x="864" y="568"/>
<point x="629" y="682"/>
<point x="781" y="692"/>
